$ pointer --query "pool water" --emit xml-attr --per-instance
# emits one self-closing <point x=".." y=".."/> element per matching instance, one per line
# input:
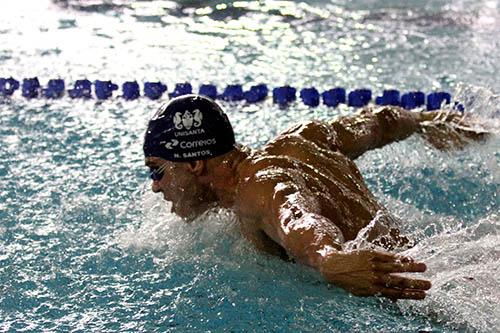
<point x="86" y="247"/>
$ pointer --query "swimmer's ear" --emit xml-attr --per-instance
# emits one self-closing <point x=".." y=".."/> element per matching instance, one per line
<point x="196" y="167"/>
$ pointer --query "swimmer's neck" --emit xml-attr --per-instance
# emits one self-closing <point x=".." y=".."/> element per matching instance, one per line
<point x="223" y="175"/>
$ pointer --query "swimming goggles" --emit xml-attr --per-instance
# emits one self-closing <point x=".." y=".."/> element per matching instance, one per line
<point x="157" y="173"/>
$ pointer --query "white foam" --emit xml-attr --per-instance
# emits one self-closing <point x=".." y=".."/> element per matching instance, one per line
<point x="464" y="268"/>
<point x="482" y="106"/>
<point x="171" y="238"/>
<point x="462" y="253"/>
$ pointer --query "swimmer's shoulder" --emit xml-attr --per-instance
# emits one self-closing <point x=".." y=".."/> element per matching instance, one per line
<point x="308" y="141"/>
<point x="255" y="205"/>
<point x="258" y="183"/>
<point x="303" y="151"/>
<point x="311" y="132"/>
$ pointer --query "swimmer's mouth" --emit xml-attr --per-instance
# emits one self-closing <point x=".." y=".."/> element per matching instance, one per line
<point x="166" y="197"/>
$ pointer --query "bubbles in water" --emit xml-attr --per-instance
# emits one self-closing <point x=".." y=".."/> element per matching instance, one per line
<point x="464" y="269"/>
<point x="170" y="238"/>
<point x="482" y="106"/>
<point x="379" y="231"/>
<point x="448" y="203"/>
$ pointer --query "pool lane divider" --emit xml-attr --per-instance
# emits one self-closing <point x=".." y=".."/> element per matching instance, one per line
<point x="56" y="88"/>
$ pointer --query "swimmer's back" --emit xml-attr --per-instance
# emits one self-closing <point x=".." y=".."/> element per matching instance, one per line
<point x="302" y="155"/>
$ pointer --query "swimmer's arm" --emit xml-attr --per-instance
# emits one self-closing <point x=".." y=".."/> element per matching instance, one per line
<point x="376" y="127"/>
<point x="294" y="222"/>
<point x="373" y="128"/>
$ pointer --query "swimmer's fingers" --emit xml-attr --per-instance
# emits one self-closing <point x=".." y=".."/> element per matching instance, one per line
<point x="402" y="293"/>
<point x="399" y="267"/>
<point x="427" y="116"/>
<point x="443" y="115"/>
<point x="388" y="257"/>
<point x="394" y="281"/>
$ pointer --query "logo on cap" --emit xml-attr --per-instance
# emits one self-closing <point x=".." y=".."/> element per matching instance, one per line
<point x="188" y="119"/>
<point x="173" y="143"/>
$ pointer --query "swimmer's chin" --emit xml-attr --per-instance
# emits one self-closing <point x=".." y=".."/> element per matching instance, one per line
<point x="177" y="209"/>
<point x="189" y="214"/>
<point x="186" y="214"/>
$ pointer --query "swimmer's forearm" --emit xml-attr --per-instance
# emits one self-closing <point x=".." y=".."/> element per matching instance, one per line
<point x="297" y="224"/>
<point x="308" y="238"/>
<point x="314" y="240"/>
<point x="374" y="128"/>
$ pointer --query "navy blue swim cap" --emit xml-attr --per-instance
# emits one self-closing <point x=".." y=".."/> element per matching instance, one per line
<point x="189" y="128"/>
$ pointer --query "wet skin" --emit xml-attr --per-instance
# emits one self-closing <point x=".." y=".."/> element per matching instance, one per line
<point x="302" y="196"/>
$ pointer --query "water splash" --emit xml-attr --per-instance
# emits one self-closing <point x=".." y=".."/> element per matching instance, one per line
<point x="378" y="232"/>
<point x="213" y="234"/>
<point x="462" y="264"/>
<point x="448" y="203"/>
<point x="481" y="104"/>
<point x="464" y="269"/>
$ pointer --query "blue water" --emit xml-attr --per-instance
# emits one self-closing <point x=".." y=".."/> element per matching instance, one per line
<point x="85" y="247"/>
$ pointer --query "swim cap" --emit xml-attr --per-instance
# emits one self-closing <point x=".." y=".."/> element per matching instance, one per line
<point x="189" y="128"/>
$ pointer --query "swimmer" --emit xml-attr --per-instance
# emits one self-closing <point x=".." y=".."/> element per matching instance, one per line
<point x="300" y="196"/>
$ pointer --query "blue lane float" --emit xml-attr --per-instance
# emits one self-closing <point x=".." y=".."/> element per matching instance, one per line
<point x="30" y="87"/>
<point x="154" y="90"/>
<point x="284" y="95"/>
<point x="81" y="89"/>
<point x="181" y="89"/>
<point x="232" y="93"/>
<point x="437" y="99"/>
<point x="413" y="100"/>
<point x="359" y="98"/>
<point x="334" y="97"/>
<point x="104" y="89"/>
<point x="8" y="86"/>
<point x="208" y="90"/>
<point x="55" y="88"/>
<point x="256" y="93"/>
<point x="131" y="90"/>
<point x="459" y="106"/>
<point x="389" y="97"/>
<point x="310" y="96"/>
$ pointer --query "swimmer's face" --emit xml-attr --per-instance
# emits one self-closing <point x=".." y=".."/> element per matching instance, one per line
<point x="180" y="186"/>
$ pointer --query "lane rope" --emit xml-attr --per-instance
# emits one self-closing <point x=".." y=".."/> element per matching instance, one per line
<point x="284" y="95"/>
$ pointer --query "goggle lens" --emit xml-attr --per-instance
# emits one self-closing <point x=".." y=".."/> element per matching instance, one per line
<point x="156" y="174"/>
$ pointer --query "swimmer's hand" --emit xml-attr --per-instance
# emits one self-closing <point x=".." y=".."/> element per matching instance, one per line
<point x="447" y="129"/>
<point x="369" y="273"/>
